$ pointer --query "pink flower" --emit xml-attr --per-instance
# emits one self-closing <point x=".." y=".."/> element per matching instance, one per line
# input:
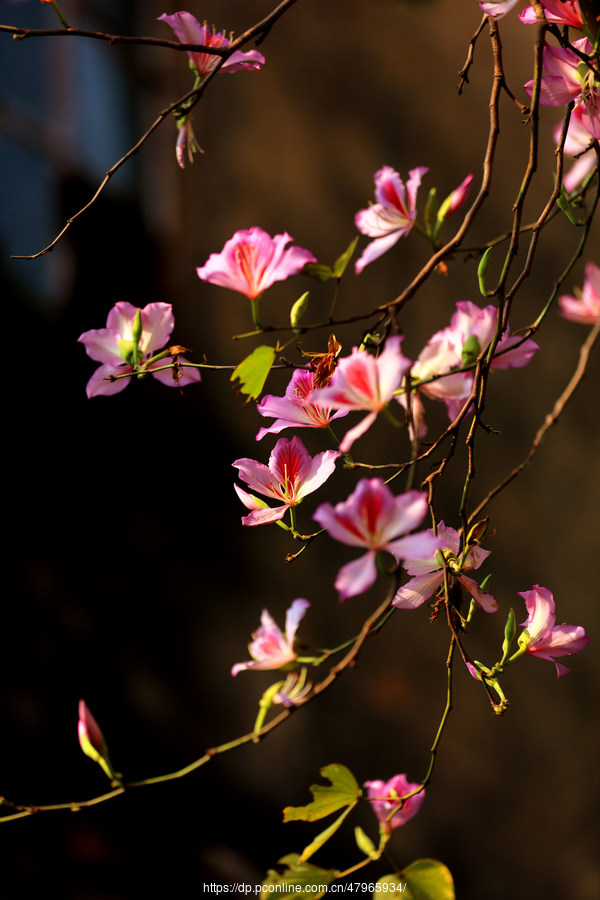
<point x="115" y="347"/>
<point x="294" y="409"/>
<point x="578" y="140"/>
<point x="251" y="261"/>
<point x="542" y="637"/>
<point x="497" y="8"/>
<point x="291" y="474"/>
<point x="470" y="331"/>
<point x="364" y="382"/>
<point x="586" y="310"/>
<point x="386" y="796"/>
<point x="429" y="573"/>
<point x="563" y="12"/>
<point x="374" y="518"/>
<point x="189" y="31"/>
<point x="567" y="78"/>
<point x="270" y="649"/>
<point x="392" y="216"/>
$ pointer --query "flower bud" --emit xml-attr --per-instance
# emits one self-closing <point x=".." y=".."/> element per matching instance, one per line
<point x="455" y="200"/>
<point x="92" y="742"/>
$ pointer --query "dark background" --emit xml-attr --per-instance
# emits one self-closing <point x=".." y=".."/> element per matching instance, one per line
<point x="129" y="579"/>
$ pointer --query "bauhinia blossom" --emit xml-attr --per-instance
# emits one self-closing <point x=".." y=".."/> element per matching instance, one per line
<point x="578" y="143"/>
<point x="586" y="310"/>
<point x="188" y="30"/>
<point x="251" y="261"/>
<point x="392" y="216"/>
<point x="295" y="409"/>
<point x="131" y="339"/>
<point x="386" y="800"/>
<point x="270" y="649"/>
<point x="290" y="475"/>
<point x="567" y="78"/>
<point x="561" y="12"/>
<point x="364" y="382"/>
<point x="429" y="573"/>
<point x="470" y="331"/>
<point x="373" y="518"/>
<point x="542" y="637"/>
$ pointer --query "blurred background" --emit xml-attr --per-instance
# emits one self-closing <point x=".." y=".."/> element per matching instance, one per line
<point x="131" y="582"/>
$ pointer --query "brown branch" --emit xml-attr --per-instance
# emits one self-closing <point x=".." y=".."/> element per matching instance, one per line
<point x="21" y="34"/>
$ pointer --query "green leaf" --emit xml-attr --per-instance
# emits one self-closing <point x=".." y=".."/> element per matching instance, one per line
<point x="427" y="879"/>
<point x="343" y="791"/>
<point x="319" y="271"/>
<point x="323" y="273"/>
<point x="365" y="844"/>
<point x="339" y="266"/>
<point x="378" y="893"/>
<point x="324" y="836"/>
<point x="296" y="875"/>
<point x="253" y="370"/>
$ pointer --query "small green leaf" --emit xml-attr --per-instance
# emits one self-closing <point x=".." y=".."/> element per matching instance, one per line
<point x="253" y="370"/>
<point x="339" y="266"/>
<point x="563" y="203"/>
<point x="365" y="844"/>
<point x="298" y="878"/>
<point x="387" y="892"/>
<point x="324" y="836"/>
<point x="319" y="271"/>
<point x="343" y="791"/>
<point x="427" y="879"/>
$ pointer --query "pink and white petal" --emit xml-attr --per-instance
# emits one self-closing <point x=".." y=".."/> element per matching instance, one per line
<point x="591" y="287"/>
<point x="189" y="374"/>
<point x="415" y="546"/>
<point x="101" y="346"/>
<point x="376" y="249"/>
<point x="486" y="601"/>
<point x="357" y="576"/>
<point x="292" y="619"/>
<point x="157" y="324"/>
<point x="98" y="385"/>
<point x="413" y="184"/>
<point x="285" y="261"/>
<point x="265" y="516"/>
<point x="351" y="436"/>
<point x="243" y="59"/>
<point x="554" y="90"/>
<point x="497" y="8"/>
<point x="507" y="358"/>
<point x="120" y="319"/>
<point x="186" y="27"/>
<point x="406" y="513"/>
<point x="321" y="467"/>
<point x="258" y="477"/>
<point x="563" y="640"/>
<point x="541" y="611"/>
<point x="416" y="591"/>
<point x="392" y="366"/>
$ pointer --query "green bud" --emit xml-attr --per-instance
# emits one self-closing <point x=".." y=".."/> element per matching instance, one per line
<point x="470" y="350"/>
<point x="482" y="271"/>
<point x="509" y="634"/>
<point x="479" y="529"/>
<point x="298" y="310"/>
<point x="127" y="350"/>
<point x="431" y="212"/>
